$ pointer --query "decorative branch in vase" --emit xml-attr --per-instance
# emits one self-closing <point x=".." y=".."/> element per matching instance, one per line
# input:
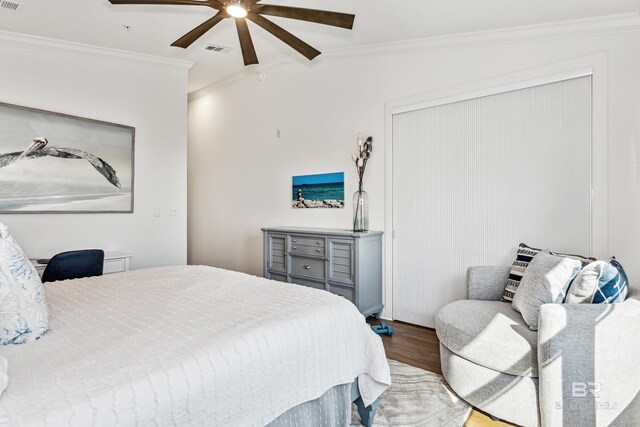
<point x="360" y="197"/>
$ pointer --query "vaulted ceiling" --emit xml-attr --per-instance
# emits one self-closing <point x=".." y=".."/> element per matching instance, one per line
<point x="152" y="29"/>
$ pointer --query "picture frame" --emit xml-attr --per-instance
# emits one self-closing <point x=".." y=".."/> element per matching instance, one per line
<point x="59" y="163"/>
<point x="324" y="190"/>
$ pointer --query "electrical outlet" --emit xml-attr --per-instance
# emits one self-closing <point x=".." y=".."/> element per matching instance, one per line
<point x="156" y="212"/>
<point x="173" y="212"/>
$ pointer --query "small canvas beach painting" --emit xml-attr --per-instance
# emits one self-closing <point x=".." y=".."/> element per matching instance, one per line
<point x="324" y="190"/>
<point x="56" y="163"/>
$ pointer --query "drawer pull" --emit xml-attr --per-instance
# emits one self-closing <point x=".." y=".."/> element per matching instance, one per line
<point x="294" y="248"/>
<point x="318" y="250"/>
<point x="294" y="240"/>
<point x="340" y="295"/>
<point x="318" y="242"/>
<point x="306" y="267"/>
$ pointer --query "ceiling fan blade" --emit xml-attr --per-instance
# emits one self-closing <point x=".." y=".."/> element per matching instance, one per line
<point x="246" y="44"/>
<point x="168" y="2"/>
<point x="303" y="48"/>
<point x="335" y="19"/>
<point x="193" y="35"/>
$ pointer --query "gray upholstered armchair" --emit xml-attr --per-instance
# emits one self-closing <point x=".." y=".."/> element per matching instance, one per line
<point x="581" y="368"/>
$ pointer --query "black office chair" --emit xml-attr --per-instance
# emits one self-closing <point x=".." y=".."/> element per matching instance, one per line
<point x="74" y="265"/>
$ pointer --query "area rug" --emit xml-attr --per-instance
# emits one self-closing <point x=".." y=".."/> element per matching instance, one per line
<point x="417" y="398"/>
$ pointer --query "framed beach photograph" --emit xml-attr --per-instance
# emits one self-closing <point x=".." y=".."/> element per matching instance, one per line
<point x="324" y="190"/>
<point x="57" y="163"/>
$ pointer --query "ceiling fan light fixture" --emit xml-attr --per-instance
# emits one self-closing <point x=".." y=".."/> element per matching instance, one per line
<point x="236" y="9"/>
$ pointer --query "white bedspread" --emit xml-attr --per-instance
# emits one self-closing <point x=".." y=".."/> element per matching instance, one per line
<point x="187" y="346"/>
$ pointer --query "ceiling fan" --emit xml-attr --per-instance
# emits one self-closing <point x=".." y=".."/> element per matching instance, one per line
<point x="242" y="10"/>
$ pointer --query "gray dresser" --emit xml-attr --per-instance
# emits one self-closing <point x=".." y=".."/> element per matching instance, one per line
<point x="343" y="262"/>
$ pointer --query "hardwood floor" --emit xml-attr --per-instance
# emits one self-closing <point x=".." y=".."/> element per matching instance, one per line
<point x="413" y="345"/>
<point x="418" y="346"/>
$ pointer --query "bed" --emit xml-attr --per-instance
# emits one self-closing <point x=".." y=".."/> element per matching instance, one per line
<point x="191" y="345"/>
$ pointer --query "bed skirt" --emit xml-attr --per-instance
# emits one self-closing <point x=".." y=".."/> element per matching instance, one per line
<point x="332" y="409"/>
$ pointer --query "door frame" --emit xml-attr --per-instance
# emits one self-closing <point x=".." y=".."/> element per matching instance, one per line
<point x="593" y="65"/>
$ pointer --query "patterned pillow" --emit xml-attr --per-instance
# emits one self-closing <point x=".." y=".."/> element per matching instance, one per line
<point x="523" y="257"/>
<point x="600" y="282"/>
<point x="21" y="287"/>
<point x="13" y="327"/>
<point x="623" y="284"/>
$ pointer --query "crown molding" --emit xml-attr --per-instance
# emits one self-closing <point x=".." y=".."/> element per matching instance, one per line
<point x="27" y="41"/>
<point x="601" y="25"/>
<point x="609" y="24"/>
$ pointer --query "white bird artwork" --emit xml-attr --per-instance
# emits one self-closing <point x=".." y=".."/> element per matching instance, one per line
<point x="39" y="148"/>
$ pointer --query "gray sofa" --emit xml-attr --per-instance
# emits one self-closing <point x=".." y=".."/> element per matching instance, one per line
<point x="581" y="368"/>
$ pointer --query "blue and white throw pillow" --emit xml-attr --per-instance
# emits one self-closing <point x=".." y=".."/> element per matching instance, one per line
<point x="24" y="314"/>
<point x="524" y="255"/>
<point x="13" y="327"/>
<point x="600" y="282"/>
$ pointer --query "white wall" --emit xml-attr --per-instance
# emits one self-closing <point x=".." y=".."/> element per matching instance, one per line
<point x="150" y="95"/>
<point x="239" y="172"/>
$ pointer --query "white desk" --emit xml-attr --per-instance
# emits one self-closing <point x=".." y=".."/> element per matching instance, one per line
<point x="114" y="262"/>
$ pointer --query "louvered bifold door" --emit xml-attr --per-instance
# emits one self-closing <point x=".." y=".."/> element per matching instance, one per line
<point x="472" y="179"/>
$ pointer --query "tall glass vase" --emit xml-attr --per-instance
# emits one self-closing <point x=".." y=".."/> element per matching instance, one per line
<point x="360" y="210"/>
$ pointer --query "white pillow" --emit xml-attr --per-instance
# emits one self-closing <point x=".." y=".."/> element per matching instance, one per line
<point x="24" y="314"/>
<point x="4" y="377"/>
<point x="545" y="281"/>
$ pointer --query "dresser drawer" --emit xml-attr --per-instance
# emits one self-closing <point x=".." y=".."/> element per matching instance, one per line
<point x="310" y="246"/>
<point x="309" y="283"/>
<point x="317" y="242"/>
<point x="344" y="292"/>
<point x="312" y="268"/>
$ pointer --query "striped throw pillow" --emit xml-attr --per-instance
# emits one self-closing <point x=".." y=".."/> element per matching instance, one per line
<point x="523" y="257"/>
